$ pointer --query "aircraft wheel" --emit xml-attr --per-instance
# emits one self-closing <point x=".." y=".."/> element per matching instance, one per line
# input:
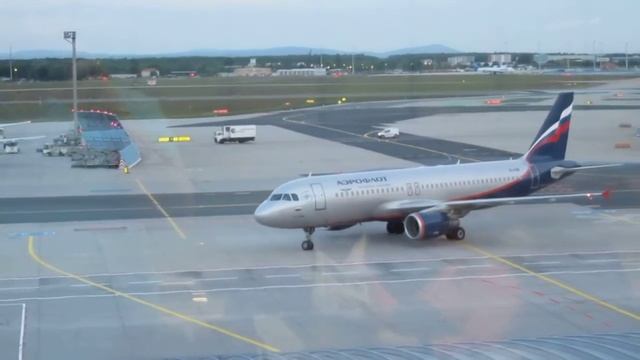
<point x="456" y="233"/>
<point x="307" y="245"/>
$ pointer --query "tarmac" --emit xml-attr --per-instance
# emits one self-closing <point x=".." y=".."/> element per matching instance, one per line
<point x="167" y="263"/>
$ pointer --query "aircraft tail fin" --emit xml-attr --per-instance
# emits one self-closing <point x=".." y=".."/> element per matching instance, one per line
<point x="551" y="142"/>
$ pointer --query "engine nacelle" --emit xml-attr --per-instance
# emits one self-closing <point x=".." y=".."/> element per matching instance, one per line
<point x="426" y="224"/>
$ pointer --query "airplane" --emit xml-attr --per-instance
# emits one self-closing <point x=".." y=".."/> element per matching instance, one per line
<point x="502" y="69"/>
<point x="428" y="201"/>
<point x="10" y="145"/>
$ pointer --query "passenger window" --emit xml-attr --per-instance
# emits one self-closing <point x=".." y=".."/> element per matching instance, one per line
<point x="286" y="197"/>
<point x="294" y="197"/>
<point x="276" y="197"/>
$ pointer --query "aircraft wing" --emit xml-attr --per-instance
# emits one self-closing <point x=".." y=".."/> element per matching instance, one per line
<point x="6" y="140"/>
<point x="464" y="206"/>
<point x="459" y="208"/>
<point x="14" y="124"/>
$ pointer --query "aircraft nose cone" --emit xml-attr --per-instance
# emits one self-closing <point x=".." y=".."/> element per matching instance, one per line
<point x="263" y="215"/>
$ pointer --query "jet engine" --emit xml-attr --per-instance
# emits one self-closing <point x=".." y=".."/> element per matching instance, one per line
<point x="428" y="224"/>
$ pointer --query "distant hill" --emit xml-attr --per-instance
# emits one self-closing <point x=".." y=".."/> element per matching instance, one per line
<point x="275" y="51"/>
<point x="429" y="49"/>
<point x="42" y="54"/>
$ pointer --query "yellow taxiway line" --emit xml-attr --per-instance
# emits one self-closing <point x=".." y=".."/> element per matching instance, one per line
<point x="34" y="255"/>
<point x="555" y="282"/>
<point x="173" y="223"/>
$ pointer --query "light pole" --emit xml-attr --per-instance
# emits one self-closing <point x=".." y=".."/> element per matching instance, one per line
<point x="595" y="56"/>
<point x="70" y="36"/>
<point x="353" y="64"/>
<point x="626" y="56"/>
<point x="10" y="63"/>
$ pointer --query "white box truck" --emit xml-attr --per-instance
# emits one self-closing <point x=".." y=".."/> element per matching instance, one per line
<point x="235" y="133"/>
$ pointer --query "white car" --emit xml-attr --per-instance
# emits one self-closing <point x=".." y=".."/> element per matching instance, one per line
<point x="389" y="133"/>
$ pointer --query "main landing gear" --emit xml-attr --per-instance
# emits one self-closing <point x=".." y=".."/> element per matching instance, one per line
<point x="308" y="244"/>
<point x="456" y="233"/>
<point x="395" y="227"/>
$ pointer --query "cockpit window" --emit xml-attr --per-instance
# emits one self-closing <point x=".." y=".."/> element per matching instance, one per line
<point x="285" y="197"/>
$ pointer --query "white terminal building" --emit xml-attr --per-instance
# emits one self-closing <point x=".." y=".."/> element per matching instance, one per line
<point x="301" y="72"/>
<point x="464" y="60"/>
<point x="499" y="58"/>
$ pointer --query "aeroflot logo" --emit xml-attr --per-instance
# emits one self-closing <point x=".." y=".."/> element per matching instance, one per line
<point x="377" y="179"/>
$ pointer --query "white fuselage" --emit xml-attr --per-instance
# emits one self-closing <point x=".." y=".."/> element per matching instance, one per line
<point x="343" y="199"/>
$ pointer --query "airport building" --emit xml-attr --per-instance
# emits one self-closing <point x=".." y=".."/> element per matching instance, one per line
<point x="499" y="58"/>
<point x="149" y="72"/>
<point x="301" y="72"/>
<point x="184" y="73"/>
<point x="252" y="71"/>
<point x="123" y="76"/>
<point x="464" y="60"/>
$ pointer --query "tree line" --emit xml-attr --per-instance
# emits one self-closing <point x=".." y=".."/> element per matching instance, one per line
<point x="53" y="69"/>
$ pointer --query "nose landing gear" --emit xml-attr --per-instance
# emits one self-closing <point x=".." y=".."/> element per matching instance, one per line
<point x="308" y="244"/>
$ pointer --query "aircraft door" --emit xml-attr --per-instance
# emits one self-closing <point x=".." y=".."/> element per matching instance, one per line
<point x="319" y="197"/>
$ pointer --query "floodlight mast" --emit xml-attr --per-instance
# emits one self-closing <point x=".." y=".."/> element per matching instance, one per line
<point x="70" y="37"/>
<point x="10" y="63"/>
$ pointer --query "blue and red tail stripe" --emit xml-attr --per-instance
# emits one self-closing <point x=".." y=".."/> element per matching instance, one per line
<point x="551" y="142"/>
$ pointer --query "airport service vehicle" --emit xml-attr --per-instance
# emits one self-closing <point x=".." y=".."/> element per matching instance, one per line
<point x="10" y="145"/>
<point x="235" y="133"/>
<point x="389" y="133"/>
<point x="63" y="145"/>
<point x="427" y="202"/>
<point x="54" y="150"/>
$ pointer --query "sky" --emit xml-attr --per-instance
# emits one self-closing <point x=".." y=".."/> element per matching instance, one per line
<point x="164" y="26"/>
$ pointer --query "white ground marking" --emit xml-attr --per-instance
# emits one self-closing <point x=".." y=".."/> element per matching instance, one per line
<point x="324" y="284"/>
<point x="23" y="316"/>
